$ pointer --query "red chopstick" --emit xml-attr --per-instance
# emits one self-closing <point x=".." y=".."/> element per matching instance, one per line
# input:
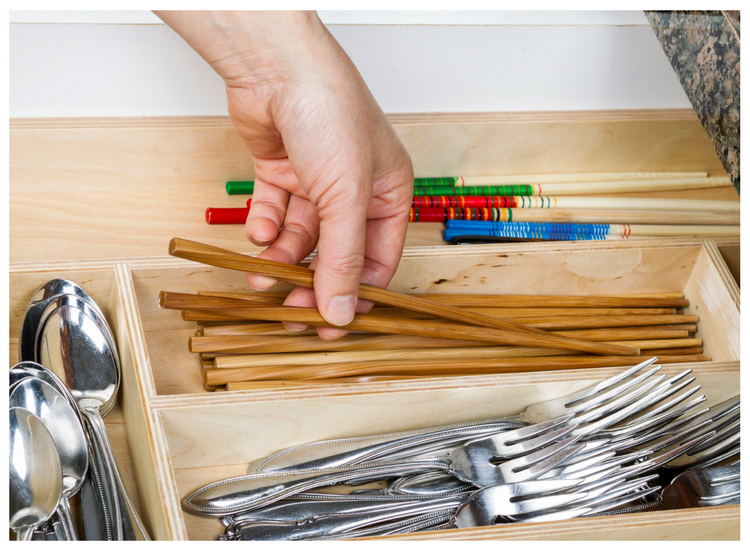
<point x="217" y="216"/>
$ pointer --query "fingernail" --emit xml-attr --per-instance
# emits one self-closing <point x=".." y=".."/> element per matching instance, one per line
<point x="340" y="310"/>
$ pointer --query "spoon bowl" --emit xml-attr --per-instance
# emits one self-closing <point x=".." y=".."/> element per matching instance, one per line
<point x="25" y="369"/>
<point x="34" y="311"/>
<point x="35" y="473"/>
<point x="44" y="402"/>
<point x="73" y="346"/>
<point x="76" y="345"/>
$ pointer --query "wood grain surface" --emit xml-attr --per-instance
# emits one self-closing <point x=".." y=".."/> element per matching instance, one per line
<point x="122" y="187"/>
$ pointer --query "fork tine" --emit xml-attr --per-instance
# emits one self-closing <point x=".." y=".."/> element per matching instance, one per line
<point x="655" y="462"/>
<point x="636" y="428"/>
<point x="486" y="504"/>
<point x="721" y="447"/>
<point x="713" y="461"/>
<point x="555" y="516"/>
<point x="571" y="469"/>
<point x="615" y="417"/>
<point x="672" y="386"/>
<point x="665" y="390"/>
<point x="527" y="432"/>
<point x="608" y="384"/>
<point x="670" y="428"/>
<point x="618" y="397"/>
<point x="625" y="499"/>
<point x="722" y="474"/>
<point x="535" y="464"/>
<point x="621" y="401"/>
<point x="723" y="433"/>
<point x="655" y="410"/>
<point x="524" y="447"/>
<point x="674" y="438"/>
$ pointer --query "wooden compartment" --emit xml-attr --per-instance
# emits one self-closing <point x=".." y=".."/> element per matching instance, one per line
<point x="685" y="265"/>
<point x="177" y="437"/>
<point x="186" y="430"/>
<point x="102" y="280"/>
<point x="151" y="179"/>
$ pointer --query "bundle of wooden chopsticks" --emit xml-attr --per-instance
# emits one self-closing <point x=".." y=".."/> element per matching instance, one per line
<point x="243" y="345"/>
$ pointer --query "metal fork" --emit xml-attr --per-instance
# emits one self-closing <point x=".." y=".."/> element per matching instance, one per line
<point x="586" y="405"/>
<point x="706" y="486"/>
<point x="536" y="448"/>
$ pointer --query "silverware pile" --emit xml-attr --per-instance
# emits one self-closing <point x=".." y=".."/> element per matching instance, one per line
<point x="65" y="383"/>
<point x="602" y="450"/>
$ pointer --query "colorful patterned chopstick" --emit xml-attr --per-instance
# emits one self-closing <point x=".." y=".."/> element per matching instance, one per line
<point x="576" y="188"/>
<point x="461" y="181"/>
<point x="455" y="234"/>
<point x="471" y="227"/>
<point x="539" y="227"/>
<point x="532" y="185"/>
<point x="223" y="216"/>
<point x="620" y="203"/>
<point x="240" y="187"/>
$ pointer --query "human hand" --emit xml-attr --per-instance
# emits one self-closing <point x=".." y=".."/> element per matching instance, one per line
<point x="329" y="168"/>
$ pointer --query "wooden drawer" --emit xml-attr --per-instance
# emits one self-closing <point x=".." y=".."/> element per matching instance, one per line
<point x="180" y="437"/>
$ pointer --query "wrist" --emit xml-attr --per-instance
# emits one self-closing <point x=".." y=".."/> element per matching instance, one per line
<point x="250" y="48"/>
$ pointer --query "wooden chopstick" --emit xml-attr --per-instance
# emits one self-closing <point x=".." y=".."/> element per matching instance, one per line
<point x="389" y="325"/>
<point x="436" y="367"/>
<point x="302" y="276"/>
<point x="510" y="313"/>
<point x="657" y="299"/>
<point x="243" y="344"/>
<point x="212" y="310"/>
<point x="400" y="354"/>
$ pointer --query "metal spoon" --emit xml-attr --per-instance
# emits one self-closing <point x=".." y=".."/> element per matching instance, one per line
<point x="58" y="416"/>
<point x="38" y="303"/>
<point x="96" y="498"/>
<point x="73" y="346"/>
<point x="35" y="473"/>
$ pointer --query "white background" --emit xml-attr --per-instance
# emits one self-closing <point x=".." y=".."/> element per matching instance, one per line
<point x="128" y="63"/>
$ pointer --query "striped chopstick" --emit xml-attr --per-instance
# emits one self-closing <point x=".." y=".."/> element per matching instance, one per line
<point x="468" y="181"/>
<point x="577" y="188"/>
<point x="576" y="216"/>
<point x="458" y="228"/>
<point x="246" y="187"/>
<point x="573" y="202"/>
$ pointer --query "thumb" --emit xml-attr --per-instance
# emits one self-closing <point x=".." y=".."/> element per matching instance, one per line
<point x="341" y="251"/>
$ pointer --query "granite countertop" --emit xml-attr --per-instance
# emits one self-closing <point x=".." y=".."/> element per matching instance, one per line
<point x="704" y="50"/>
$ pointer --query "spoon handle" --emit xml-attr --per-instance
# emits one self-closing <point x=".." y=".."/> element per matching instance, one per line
<point x="66" y="518"/>
<point x="123" y="523"/>
<point x="95" y="499"/>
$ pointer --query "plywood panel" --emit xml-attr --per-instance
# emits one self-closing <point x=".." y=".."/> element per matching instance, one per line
<point x="121" y="188"/>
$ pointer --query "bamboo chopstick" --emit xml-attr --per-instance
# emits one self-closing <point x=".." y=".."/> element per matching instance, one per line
<point x="468" y="354"/>
<point x="302" y="276"/>
<point x="457" y="367"/>
<point x="414" y="327"/>
<point x="660" y="299"/>
<point x="509" y="313"/>
<point x="278" y="299"/>
<point x="298" y="384"/>
<point x="243" y="344"/>
<point x="194" y="311"/>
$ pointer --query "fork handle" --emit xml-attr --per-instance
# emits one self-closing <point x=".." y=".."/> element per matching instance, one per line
<point x="246" y="493"/>
<point x="347" y="452"/>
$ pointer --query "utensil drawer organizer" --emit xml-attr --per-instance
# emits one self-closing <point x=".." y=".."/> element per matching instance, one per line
<point x="177" y="436"/>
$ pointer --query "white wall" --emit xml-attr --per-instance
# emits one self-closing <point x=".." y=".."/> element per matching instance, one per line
<point x="127" y="63"/>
